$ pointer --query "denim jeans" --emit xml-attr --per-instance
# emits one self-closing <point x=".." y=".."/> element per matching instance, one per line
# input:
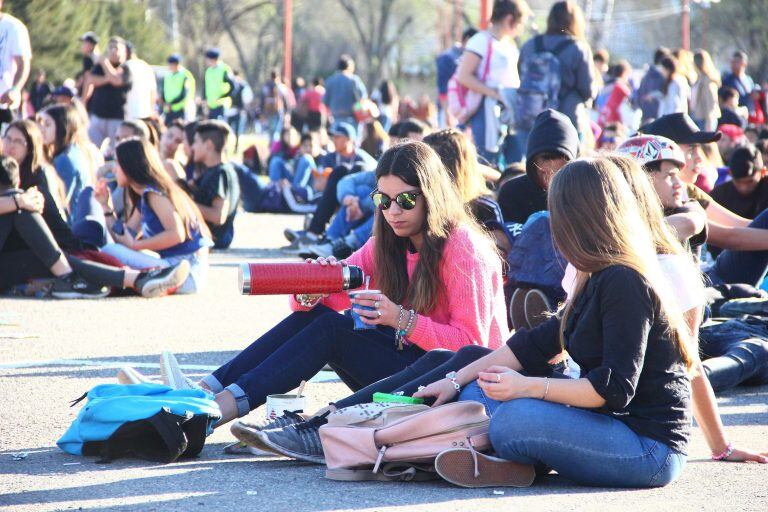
<point x="88" y="222"/>
<point x="747" y="267"/>
<point x="198" y="262"/>
<point x="477" y="124"/>
<point x="328" y="203"/>
<point x="300" y="176"/>
<point x="429" y="368"/>
<point x="341" y="227"/>
<point x="299" y="346"/>
<point x="735" y="352"/>
<point x="586" y="447"/>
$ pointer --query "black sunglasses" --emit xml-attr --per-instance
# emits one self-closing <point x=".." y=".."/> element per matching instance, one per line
<point x="405" y="200"/>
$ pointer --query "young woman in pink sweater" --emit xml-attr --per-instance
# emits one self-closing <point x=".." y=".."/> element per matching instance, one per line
<point x="427" y="255"/>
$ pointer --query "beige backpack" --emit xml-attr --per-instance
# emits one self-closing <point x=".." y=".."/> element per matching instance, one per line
<point x="401" y="433"/>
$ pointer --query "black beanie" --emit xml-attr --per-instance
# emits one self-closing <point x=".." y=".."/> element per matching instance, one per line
<point x="552" y="132"/>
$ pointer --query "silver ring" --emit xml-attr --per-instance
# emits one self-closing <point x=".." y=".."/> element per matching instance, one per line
<point x="378" y="313"/>
<point x="498" y="377"/>
<point x="376" y="305"/>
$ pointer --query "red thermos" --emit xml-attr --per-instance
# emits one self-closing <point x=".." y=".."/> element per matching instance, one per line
<point x="296" y="278"/>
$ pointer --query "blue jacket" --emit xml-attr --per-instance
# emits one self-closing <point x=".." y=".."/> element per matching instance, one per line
<point x="359" y="184"/>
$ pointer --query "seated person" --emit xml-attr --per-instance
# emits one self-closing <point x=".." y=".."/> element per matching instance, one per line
<point x="552" y="143"/>
<point x="295" y="177"/>
<point x="352" y="225"/>
<point x="427" y="254"/>
<point x="59" y="124"/>
<point x="746" y="194"/>
<point x="346" y="158"/>
<point x="215" y="187"/>
<point x="160" y="218"/>
<point x="31" y="226"/>
<point x="745" y="242"/>
<point x="171" y="141"/>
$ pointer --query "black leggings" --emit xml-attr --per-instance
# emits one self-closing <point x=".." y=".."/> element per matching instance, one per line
<point x="18" y="267"/>
<point x="429" y="368"/>
<point x="328" y="203"/>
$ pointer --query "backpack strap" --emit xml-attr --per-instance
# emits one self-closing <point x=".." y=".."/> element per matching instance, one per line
<point x="538" y="44"/>
<point x="488" y="54"/>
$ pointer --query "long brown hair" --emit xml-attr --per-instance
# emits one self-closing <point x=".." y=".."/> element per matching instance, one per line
<point x="566" y="18"/>
<point x="596" y="223"/>
<point x="460" y="160"/>
<point x="141" y="164"/>
<point x="418" y="165"/>
<point x="35" y="158"/>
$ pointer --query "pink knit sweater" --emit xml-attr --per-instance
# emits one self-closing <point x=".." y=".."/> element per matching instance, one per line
<point x="470" y="307"/>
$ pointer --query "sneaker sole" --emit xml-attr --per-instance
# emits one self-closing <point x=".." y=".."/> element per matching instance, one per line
<point x="457" y="467"/>
<point x="248" y="435"/>
<point x="536" y="305"/>
<point x="77" y="295"/>
<point x="288" y="453"/>
<point x="517" y="309"/>
<point x="171" y="375"/>
<point x="164" y="286"/>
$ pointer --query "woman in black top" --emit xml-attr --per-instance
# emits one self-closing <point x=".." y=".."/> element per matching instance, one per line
<point x="626" y="421"/>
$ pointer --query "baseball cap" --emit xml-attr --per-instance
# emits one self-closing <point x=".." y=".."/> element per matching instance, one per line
<point x="647" y="149"/>
<point x="344" y="129"/>
<point x="64" y="90"/>
<point x="680" y="128"/>
<point x="744" y="162"/>
<point x="174" y="58"/>
<point x="91" y="37"/>
<point x="212" y="53"/>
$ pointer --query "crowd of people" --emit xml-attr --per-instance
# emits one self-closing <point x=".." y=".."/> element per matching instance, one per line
<point x="571" y="247"/>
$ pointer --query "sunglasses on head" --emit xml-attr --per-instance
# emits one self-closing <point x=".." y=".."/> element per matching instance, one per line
<point x="405" y="200"/>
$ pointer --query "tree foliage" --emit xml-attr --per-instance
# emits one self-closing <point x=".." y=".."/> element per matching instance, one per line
<point x="55" y="27"/>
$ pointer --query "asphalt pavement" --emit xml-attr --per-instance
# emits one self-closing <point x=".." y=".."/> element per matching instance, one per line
<point x="51" y="352"/>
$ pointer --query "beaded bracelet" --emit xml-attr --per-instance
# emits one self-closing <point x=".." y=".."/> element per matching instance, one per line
<point x="401" y="333"/>
<point x="727" y="453"/>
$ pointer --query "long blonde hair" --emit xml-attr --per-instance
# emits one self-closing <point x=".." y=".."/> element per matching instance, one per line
<point x="662" y="235"/>
<point x="704" y="65"/>
<point x="460" y="160"/>
<point x="597" y="223"/>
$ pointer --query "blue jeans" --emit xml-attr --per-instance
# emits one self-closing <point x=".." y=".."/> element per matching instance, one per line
<point x="299" y="177"/>
<point x="299" y="346"/>
<point x="88" y="222"/>
<point x="429" y="368"/>
<point x="477" y="123"/>
<point x="735" y="352"/>
<point x="341" y="227"/>
<point x="747" y="267"/>
<point x="586" y="447"/>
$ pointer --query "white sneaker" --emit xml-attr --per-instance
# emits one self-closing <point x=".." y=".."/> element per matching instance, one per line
<point x="129" y="375"/>
<point x="172" y="375"/>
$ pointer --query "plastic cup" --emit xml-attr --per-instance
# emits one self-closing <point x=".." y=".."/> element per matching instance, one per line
<point x="359" y="325"/>
<point x="277" y="404"/>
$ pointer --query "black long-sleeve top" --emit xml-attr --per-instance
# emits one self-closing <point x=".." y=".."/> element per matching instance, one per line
<point x="616" y="334"/>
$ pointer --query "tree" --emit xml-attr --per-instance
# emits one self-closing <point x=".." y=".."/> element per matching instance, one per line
<point x="378" y="25"/>
<point x="55" y="27"/>
<point x="738" y="25"/>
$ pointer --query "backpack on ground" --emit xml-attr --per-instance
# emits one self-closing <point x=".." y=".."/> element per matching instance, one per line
<point x="540" y="78"/>
<point x="402" y="440"/>
<point x="149" y="421"/>
<point x="463" y="103"/>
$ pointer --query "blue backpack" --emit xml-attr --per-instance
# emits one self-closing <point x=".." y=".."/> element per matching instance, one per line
<point x="149" y="421"/>
<point x="539" y="83"/>
<point x="534" y="261"/>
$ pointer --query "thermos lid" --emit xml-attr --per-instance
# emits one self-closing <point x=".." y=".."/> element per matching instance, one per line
<point x="355" y="277"/>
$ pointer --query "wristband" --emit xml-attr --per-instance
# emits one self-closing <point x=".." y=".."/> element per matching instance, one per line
<point x="727" y="453"/>
<point x="16" y="202"/>
<point x="546" y="389"/>
<point x="110" y="213"/>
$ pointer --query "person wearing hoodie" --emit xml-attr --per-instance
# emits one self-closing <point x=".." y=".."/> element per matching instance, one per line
<point x="552" y="143"/>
